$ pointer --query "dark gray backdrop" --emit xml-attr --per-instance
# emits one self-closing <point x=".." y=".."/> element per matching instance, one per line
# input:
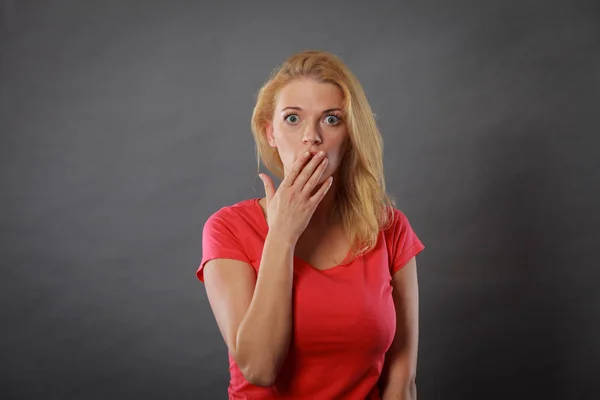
<point x="125" y="124"/>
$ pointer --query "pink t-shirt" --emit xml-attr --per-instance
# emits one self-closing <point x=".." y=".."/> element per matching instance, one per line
<point x="344" y="318"/>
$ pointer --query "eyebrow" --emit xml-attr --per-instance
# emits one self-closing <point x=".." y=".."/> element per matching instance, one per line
<point x="300" y="109"/>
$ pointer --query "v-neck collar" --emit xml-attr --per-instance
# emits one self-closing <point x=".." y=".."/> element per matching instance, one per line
<point x="265" y="227"/>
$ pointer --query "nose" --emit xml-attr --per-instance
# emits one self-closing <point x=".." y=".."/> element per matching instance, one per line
<point x="311" y="136"/>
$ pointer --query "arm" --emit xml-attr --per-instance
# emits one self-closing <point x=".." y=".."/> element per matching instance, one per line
<point x="254" y="313"/>
<point x="399" y="372"/>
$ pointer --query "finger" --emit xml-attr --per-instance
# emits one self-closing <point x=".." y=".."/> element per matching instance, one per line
<point x="296" y="168"/>
<point x="308" y="170"/>
<point x="316" y="176"/>
<point x="317" y="197"/>
<point x="269" y="187"/>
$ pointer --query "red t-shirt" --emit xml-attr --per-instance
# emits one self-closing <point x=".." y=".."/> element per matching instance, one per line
<point x="344" y="318"/>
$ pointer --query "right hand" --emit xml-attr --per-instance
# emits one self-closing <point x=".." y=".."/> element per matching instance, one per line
<point x="290" y="208"/>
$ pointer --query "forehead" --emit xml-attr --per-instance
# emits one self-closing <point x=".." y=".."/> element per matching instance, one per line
<point x="310" y="94"/>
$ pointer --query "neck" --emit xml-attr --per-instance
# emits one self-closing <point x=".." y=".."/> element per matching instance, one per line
<point x="324" y="216"/>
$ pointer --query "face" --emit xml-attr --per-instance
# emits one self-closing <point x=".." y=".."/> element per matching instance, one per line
<point x="308" y="116"/>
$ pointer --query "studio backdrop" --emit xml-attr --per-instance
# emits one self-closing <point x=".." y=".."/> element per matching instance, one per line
<point x="125" y="124"/>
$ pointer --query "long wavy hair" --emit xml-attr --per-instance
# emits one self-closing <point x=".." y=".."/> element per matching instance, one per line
<point x="362" y="203"/>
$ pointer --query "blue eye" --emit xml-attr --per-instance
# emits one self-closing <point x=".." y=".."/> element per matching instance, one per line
<point x="291" y="118"/>
<point x="332" y="119"/>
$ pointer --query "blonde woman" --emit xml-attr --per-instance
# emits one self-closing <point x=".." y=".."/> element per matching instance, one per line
<point x="314" y="286"/>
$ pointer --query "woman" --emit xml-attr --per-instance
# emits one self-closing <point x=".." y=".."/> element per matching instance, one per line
<point x="314" y="286"/>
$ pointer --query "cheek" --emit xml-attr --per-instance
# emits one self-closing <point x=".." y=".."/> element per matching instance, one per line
<point x="287" y="158"/>
<point x="286" y="152"/>
<point x="337" y="155"/>
<point x="334" y="161"/>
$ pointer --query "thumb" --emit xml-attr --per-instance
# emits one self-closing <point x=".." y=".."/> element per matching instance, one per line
<point x="269" y="188"/>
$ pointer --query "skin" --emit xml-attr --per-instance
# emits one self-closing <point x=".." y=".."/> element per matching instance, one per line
<point x="308" y="116"/>
<point x="398" y="378"/>
<point x="253" y="312"/>
<point x="293" y="132"/>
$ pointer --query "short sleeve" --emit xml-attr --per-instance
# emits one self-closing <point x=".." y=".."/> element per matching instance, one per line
<point x="220" y="241"/>
<point x="404" y="242"/>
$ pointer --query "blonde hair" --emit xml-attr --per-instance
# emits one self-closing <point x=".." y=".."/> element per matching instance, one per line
<point x="362" y="202"/>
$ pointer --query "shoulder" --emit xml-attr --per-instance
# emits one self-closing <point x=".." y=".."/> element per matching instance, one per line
<point x="401" y="240"/>
<point x="397" y="221"/>
<point x="234" y="217"/>
<point x="234" y="211"/>
<point x="399" y="231"/>
<point x="229" y="233"/>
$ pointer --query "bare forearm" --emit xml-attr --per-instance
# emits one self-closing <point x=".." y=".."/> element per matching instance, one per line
<point x="400" y="369"/>
<point x="398" y="378"/>
<point x="264" y="334"/>
<point x="407" y="391"/>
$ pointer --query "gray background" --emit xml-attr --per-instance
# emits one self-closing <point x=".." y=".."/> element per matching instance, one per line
<point x="125" y="124"/>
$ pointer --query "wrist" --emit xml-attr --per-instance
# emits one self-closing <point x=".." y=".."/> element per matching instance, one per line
<point x="280" y="239"/>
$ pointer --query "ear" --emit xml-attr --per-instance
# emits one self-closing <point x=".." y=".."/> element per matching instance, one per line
<point x="270" y="136"/>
